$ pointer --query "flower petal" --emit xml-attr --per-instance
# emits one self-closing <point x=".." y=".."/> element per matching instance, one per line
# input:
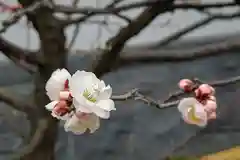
<point x="56" y="83"/>
<point x="185" y="103"/>
<point x="106" y="93"/>
<point x="82" y="107"/>
<point x="51" y="105"/>
<point x="80" y="81"/>
<point x="212" y="115"/>
<point x="100" y="112"/>
<point x="107" y="105"/>
<point x="193" y="112"/>
<point x="74" y="125"/>
<point x="63" y="118"/>
<point x="91" y="122"/>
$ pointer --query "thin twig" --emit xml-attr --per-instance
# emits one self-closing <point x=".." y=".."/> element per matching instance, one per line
<point x="20" y="13"/>
<point x="135" y="94"/>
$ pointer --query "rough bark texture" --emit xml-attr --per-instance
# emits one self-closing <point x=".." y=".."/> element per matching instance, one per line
<point x="53" y="54"/>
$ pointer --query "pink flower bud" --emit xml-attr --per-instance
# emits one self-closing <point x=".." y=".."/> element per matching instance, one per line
<point x="204" y="91"/>
<point x="210" y="105"/>
<point x="61" y="108"/>
<point x="186" y="85"/>
<point x="212" y="116"/>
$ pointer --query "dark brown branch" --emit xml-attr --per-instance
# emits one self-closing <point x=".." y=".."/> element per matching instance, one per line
<point x="116" y="44"/>
<point x="34" y="141"/>
<point x="16" y="102"/>
<point x="18" y="14"/>
<point x="87" y="16"/>
<point x="129" y="57"/>
<point x="191" y="28"/>
<point x="135" y="94"/>
<point x="182" y="32"/>
<point x="20" y="56"/>
<point x="85" y="10"/>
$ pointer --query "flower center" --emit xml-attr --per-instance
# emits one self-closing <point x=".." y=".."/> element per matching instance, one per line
<point x="192" y="116"/>
<point x="92" y="93"/>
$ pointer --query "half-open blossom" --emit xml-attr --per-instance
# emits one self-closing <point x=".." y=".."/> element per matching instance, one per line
<point x="59" y="109"/>
<point x="57" y="82"/>
<point x="193" y="112"/>
<point x="91" y="95"/>
<point x="186" y="85"/>
<point x="80" y="122"/>
<point x="57" y="91"/>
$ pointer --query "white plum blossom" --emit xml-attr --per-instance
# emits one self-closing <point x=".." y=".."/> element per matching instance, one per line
<point x="91" y="95"/>
<point x="78" y="123"/>
<point x="193" y="112"/>
<point x="57" y="93"/>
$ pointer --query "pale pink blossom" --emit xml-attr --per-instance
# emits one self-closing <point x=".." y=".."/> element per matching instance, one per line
<point x="186" y="85"/>
<point x="197" y="113"/>
<point x="210" y="105"/>
<point x="193" y="111"/>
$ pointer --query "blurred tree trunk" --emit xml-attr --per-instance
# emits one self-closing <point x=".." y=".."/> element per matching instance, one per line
<point x="53" y="54"/>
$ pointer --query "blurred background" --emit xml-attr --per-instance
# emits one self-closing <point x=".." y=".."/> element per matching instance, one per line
<point x="137" y="131"/>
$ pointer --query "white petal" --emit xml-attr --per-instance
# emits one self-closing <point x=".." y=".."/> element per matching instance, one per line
<point x="56" y="83"/>
<point x="107" y="105"/>
<point x="74" y="125"/>
<point x="185" y="103"/>
<point x="100" y="112"/>
<point x="64" y="117"/>
<point x="106" y="93"/>
<point x="91" y="122"/>
<point x="82" y="107"/>
<point x="102" y="84"/>
<point x="80" y="81"/>
<point x="51" y="105"/>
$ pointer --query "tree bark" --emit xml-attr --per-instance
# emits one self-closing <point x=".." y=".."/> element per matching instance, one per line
<point x="53" y="54"/>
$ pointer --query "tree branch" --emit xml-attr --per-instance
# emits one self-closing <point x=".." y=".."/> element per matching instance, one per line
<point x="135" y="94"/>
<point x="133" y="56"/>
<point x="20" y="56"/>
<point x="115" y="44"/>
<point x="85" y="10"/>
<point x="89" y="15"/>
<point x="19" y="14"/>
<point x="191" y="28"/>
<point x="16" y="102"/>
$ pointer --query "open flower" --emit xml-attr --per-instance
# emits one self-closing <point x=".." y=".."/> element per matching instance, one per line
<point x="193" y="112"/>
<point x="57" y="91"/>
<point x="91" y="95"/>
<point x="80" y="122"/>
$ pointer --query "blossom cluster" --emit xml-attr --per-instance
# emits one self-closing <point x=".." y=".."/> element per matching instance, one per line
<point x="79" y="100"/>
<point x="200" y="108"/>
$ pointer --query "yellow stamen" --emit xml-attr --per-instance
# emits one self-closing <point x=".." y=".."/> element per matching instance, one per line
<point x="192" y="116"/>
<point x="89" y="96"/>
